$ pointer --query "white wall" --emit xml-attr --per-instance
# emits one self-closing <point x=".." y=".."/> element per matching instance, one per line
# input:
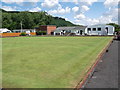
<point x="5" y="30"/>
<point x="103" y="31"/>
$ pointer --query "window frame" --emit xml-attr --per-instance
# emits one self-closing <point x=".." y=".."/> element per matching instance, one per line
<point x="89" y="29"/>
<point x="99" y="29"/>
<point x="93" y="29"/>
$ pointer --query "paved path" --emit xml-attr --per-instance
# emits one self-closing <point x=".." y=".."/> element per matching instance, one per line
<point x="106" y="72"/>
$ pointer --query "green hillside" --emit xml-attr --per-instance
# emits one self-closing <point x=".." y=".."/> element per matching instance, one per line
<point x="12" y="19"/>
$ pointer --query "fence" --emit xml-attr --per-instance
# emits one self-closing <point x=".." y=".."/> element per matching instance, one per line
<point x="13" y="34"/>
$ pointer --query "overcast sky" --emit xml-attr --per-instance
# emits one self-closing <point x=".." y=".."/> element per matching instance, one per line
<point x="82" y="12"/>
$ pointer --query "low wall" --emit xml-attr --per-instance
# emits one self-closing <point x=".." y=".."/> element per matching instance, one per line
<point x="13" y="34"/>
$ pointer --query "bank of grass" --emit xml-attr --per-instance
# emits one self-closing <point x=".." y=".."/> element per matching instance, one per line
<point x="48" y="62"/>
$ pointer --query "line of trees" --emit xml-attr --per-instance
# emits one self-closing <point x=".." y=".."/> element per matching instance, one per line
<point x="30" y="20"/>
<point x="117" y="27"/>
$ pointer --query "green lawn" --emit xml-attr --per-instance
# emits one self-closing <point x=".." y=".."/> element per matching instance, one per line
<point x="47" y="62"/>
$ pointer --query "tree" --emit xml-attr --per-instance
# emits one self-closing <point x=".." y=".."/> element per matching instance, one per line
<point x="30" y="20"/>
<point x="117" y="27"/>
<point x="27" y="20"/>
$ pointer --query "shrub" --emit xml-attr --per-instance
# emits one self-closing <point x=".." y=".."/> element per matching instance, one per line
<point x="23" y="34"/>
<point x="41" y="33"/>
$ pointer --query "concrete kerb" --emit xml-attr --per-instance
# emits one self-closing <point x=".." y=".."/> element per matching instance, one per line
<point x="90" y="71"/>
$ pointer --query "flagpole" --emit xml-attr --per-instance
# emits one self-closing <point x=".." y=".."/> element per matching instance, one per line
<point x="21" y="26"/>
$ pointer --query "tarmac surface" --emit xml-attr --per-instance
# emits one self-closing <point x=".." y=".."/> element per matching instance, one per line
<point x="105" y="74"/>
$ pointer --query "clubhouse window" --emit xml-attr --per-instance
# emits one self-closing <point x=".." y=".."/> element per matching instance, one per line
<point x="94" y="29"/>
<point x="99" y="29"/>
<point x="89" y="29"/>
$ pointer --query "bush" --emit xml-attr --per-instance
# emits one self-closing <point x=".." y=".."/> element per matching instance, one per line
<point x="41" y="33"/>
<point x="23" y="34"/>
